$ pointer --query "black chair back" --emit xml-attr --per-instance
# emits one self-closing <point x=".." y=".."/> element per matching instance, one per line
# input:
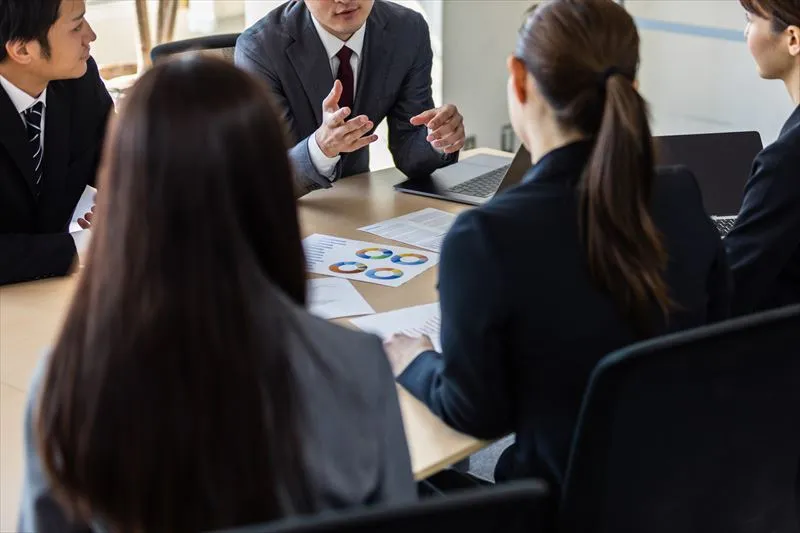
<point x="222" y="45"/>
<point x="694" y="432"/>
<point x="517" y="507"/>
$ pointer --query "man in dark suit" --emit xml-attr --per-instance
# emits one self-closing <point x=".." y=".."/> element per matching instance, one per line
<point x="53" y="113"/>
<point x="329" y="60"/>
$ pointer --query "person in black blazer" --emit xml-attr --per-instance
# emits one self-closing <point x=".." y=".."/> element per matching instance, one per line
<point x="53" y="113"/>
<point x="764" y="245"/>
<point x="593" y="251"/>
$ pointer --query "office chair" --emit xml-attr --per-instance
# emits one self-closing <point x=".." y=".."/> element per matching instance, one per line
<point x="516" y="507"/>
<point x="222" y="45"/>
<point x="694" y="432"/>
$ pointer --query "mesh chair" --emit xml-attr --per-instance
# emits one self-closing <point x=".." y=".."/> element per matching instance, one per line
<point x="222" y="45"/>
<point x="694" y="432"/>
<point x="516" y="507"/>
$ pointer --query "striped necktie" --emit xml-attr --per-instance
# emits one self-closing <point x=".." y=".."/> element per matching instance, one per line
<point x="33" y="121"/>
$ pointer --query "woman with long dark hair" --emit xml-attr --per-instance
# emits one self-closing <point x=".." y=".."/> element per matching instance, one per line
<point x="764" y="244"/>
<point x="594" y="250"/>
<point x="189" y="390"/>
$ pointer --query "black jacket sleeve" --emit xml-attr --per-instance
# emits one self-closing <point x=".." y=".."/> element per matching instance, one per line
<point x="467" y="385"/>
<point x="767" y="230"/>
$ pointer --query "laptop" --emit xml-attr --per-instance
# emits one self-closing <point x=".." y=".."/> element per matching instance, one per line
<point x="473" y="181"/>
<point x="721" y="162"/>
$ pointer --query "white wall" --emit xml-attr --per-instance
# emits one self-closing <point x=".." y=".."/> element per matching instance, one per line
<point x="255" y="9"/>
<point x="204" y="15"/>
<point x="704" y="83"/>
<point x="694" y="84"/>
<point x="117" y="37"/>
<point x="477" y="38"/>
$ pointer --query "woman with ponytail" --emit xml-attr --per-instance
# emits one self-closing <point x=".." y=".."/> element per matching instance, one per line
<point x="594" y="250"/>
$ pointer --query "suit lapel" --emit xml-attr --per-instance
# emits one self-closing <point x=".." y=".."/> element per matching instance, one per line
<point x="374" y="67"/>
<point x="56" y="150"/>
<point x="13" y="136"/>
<point x="310" y="61"/>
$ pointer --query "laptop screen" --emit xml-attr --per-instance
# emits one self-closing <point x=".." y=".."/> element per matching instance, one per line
<point x="721" y="162"/>
<point x="519" y="166"/>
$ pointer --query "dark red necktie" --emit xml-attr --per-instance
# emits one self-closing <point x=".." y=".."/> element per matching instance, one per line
<point x="345" y="75"/>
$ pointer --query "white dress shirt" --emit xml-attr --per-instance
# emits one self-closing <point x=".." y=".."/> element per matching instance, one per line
<point x="22" y="102"/>
<point x="324" y="164"/>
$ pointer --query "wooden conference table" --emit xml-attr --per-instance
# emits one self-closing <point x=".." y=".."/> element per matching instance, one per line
<point x="31" y="314"/>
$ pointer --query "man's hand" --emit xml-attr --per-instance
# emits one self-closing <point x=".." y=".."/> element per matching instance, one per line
<point x="402" y="350"/>
<point x="336" y="135"/>
<point x="445" y="126"/>
<point x="85" y="222"/>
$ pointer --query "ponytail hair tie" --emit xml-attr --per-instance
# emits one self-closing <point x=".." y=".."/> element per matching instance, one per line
<point x="602" y="78"/>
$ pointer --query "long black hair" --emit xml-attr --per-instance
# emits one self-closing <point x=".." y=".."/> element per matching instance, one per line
<point x="169" y="403"/>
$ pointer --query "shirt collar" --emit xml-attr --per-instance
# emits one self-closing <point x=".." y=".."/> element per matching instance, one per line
<point x="566" y="162"/>
<point x="333" y="44"/>
<point x="21" y="100"/>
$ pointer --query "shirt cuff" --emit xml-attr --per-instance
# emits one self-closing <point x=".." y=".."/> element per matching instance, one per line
<point x="325" y="165"/>
<point x="81" y="239"/>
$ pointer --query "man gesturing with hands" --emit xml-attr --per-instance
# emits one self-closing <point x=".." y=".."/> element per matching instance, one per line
<point x="337" y="134"/>
<point x="337" y="68"/>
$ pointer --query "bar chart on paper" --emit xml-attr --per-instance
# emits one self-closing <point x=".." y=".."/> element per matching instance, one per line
<point x="365" y="261"/>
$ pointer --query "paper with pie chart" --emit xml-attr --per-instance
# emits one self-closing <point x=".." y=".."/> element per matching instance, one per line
<point x="365" y="261"/>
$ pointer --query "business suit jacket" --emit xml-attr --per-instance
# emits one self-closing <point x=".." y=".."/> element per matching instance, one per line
<point x="394" y="81"/>
<point x="764" y="245"/>
<point x="354" y="442"/>
<point x="34" y="242"/>
<point x="522" y="323"/>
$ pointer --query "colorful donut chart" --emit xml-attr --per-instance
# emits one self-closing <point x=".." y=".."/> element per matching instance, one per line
<point x="348" y="267"/>
<point x="384" y="273"/>
<point x="409" y="259"/>
<point x="374" y="253"/>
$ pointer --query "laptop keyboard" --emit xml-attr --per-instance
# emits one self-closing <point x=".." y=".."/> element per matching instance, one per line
<point x="482" y="186"/>
<point x="724" y="224"/>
